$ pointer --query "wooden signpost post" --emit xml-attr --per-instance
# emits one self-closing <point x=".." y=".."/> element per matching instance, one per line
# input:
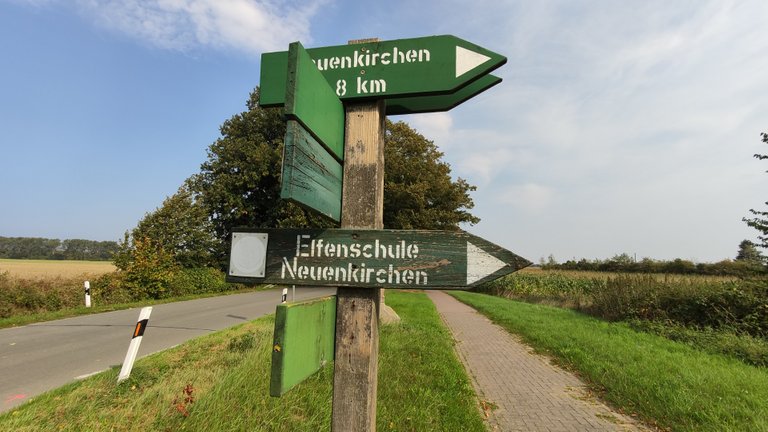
<point x="357" y="85"/>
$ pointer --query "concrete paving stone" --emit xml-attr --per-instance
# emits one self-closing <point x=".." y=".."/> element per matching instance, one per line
<point x="531" y="393"/>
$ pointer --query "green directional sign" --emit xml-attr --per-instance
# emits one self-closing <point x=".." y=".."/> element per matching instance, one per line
<point x="311" y="177"/>
<point x="443" y="102"/>
<point x="314" y="138"/>
<point x="387" y="69"/>
<point x="310" y="100"/>
<point x="368" y="258"/>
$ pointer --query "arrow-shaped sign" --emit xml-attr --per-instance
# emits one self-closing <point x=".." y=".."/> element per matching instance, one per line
<point x="368" y="258"/>
<point x="443" y="102"/>
<point x="387" y="69"/>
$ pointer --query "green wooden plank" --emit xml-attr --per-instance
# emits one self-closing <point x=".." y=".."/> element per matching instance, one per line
<point x="303" y="341"/>
<point x="377" y="258"/>
<point x="397" y="68"/>
<point x="310" y="100"/>
<point x="311" y="177"/>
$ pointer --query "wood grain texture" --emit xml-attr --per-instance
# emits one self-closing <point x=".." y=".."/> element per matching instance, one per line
<point x="356" y="363"/>
<point x="311" y="177"/>
<point x="363" y="192"/>
<point x="366" y="258"/>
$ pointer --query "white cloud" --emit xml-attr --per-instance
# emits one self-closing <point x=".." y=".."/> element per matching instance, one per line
<point x="529" y="197"/>
<point x="251" y="26"/>
<point x="636" y="121"/>
<point x="246" y="25"/>
<point x="435" y="127"/>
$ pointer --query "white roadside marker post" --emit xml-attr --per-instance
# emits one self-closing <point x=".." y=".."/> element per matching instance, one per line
<point x="87" y="294"/>
<point x="133" y="348"/>
<point x="285" y="296"/>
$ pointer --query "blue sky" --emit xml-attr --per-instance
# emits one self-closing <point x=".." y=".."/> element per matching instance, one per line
<point x="619" y="127"/>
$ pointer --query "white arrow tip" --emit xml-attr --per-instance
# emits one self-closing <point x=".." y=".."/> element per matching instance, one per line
<point x="467" y="60"/>
<point x="481" y="264"/>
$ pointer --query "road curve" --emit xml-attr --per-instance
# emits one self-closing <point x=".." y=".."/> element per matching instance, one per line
<point x="40" y="357"/>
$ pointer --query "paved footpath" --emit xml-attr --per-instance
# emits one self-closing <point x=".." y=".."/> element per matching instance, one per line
<point x="522" y="391"/>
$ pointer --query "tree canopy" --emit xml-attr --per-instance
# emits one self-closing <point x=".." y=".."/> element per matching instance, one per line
<point x="760" y="219"/>
<point x="180" y="227"/>
<point x="239" y="185"/>
<point x="43" y="248"/>
<point x="748" y="252"/>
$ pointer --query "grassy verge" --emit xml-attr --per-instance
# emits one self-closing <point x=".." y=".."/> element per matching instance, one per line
<point x="665" y="382"/>
<point x="221" y="383"/>
<point x="20" y="320"/>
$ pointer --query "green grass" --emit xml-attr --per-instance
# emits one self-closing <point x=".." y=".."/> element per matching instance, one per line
<point x="664" y="382"/>
<point x="221" y="383"/>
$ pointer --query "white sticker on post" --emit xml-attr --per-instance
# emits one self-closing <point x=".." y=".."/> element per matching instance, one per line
<point x="248" y="257"/>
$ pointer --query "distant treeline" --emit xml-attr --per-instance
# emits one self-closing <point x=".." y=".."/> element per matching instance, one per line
<point x="55" y="249"/>
<point x="625" y="264"/>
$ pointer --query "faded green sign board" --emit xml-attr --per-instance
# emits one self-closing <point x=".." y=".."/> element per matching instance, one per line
<point x="387" y="69"/>
<point x="368" y="258"/>
<point x="314" y="138"/>
<point x="311" y="177"/>
<point x="303" y="341"/>
<point x="310" y="100"/>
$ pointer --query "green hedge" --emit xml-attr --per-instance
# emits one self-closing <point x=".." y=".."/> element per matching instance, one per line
<point x="737" y="305"/>
<point x="20" y="296"/>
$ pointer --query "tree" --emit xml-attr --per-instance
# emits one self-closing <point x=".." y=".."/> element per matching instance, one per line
<point x="181" y="227"/>
<point x="147" y="269"/>
<point x="418" y="190"/>
<point x="748" y="253"/>
<point x="760" y="221"/>
<point x="239" y="183"/>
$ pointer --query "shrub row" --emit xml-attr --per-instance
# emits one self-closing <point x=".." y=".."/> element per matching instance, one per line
<point x="739" y="305"/>
<point x="23" y="296"/>
<point x="623" y="263"/>
<point x="20" y="296"/>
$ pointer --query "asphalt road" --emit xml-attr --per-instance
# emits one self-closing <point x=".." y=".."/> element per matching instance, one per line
<point x="40" y="357"/>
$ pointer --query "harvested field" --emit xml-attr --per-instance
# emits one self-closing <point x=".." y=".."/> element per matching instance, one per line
<point x="34" y="269"/>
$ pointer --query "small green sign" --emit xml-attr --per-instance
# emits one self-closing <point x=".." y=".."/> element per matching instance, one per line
<point x="387" y="69"/>
<point x="310" y="100"/>
<point x="369" y="258"/>
<point x="311" y="177"/>
<point x="303" y="342"/>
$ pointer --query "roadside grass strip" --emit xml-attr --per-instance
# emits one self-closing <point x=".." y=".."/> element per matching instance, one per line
<point x="665" y="383"/>
<point x="220" y="382"/>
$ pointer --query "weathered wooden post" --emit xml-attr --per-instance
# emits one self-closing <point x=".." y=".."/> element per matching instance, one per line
<point x="357" y="315"/>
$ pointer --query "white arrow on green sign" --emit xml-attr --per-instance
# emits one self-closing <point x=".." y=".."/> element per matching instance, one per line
<point x="387" y="69"/>
<point x="368" y="258"/>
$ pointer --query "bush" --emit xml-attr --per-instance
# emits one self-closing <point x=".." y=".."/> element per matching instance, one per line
<point x="111" y="288"/>
<point x="740" y="305"/>
<point x="693" y="301"/>
<point x="25" y="296"/>
<point x="121" y="287"/>
<point x="196" y="281"/>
